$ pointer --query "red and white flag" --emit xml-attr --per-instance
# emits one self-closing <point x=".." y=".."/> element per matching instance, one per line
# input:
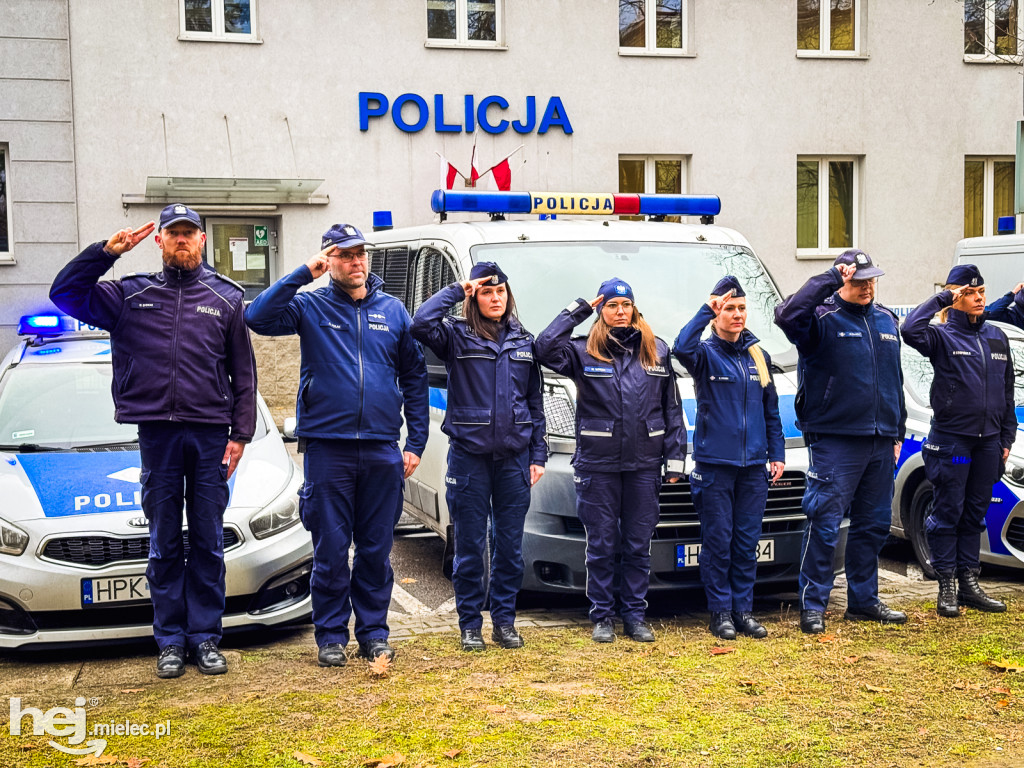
<point x="502" y="172"/>
<point x="474" y="171"/>
<point x="448" y="173"/>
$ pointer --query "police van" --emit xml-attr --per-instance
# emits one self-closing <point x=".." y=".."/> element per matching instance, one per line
<point x="559" y="247"/>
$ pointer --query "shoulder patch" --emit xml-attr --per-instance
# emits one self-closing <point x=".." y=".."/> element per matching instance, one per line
<point x="228" y="280"/>
<point x="889" y="312"/>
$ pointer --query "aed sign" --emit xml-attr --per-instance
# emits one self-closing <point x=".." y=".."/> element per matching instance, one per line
<point x="411" y="113"/>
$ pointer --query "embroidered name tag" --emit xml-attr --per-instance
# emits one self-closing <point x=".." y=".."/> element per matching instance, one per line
<point x="146" y="305"/>
<point x="849" y="334"/>
<point x="598" y="370"/>
<point x="962" y="353"/>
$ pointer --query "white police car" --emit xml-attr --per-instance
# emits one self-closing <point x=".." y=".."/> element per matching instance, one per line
<point x="671" y="267"/>
<point x="73" y="539"/>
<point x="1003" y="540"/>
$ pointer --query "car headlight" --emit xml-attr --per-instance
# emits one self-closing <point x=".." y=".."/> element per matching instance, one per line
<point x="13" y="540"/>
<point x="1014" y="473"/>
<point x="278" y="516"/>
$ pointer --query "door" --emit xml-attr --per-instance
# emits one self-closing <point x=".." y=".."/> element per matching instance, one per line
<point x="244" y="250"/>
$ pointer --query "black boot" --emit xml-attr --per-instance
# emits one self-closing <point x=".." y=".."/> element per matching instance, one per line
<point x="971" y="594"/>
<point x="721" y="625"/>
<point x="947" y="605"/>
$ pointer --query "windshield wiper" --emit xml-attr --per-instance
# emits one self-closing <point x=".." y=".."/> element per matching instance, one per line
<point x="109" y="443"/>
<point x="30" y="448"/>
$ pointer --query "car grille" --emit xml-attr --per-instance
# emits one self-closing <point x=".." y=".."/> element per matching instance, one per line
<point x="1015" y="533"/>
<point x="95" y="551"/>
<point x="678" y="517"/>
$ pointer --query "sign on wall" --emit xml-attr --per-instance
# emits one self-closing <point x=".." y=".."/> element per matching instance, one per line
<point x="411" y="113"/>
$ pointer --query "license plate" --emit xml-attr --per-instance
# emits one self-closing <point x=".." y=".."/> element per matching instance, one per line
<point x="115" y="589"/>
<point x="686" y="554"/>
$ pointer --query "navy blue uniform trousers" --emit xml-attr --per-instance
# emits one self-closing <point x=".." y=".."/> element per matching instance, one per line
<point x="182" y="470"/>
<point x="730" y="503"/>
<point x="619" y="511"/>
<point x="962" y="471"/>
<point x="352" y="494"/>
<point x="481" y="489"/>
<point x="846" y="472"/>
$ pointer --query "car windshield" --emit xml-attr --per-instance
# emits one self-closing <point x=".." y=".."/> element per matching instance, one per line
<point x="59" y="406"/>
<point x="669" y="281"/>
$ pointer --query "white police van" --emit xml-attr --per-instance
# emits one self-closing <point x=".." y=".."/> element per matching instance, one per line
<point x="671" y="267"/>
<point x="74" y="543"/>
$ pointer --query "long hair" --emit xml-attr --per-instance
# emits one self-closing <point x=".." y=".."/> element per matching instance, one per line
<point x="757" y="355"/>
<point x="598" y="342"/>
<point x="944" y="312"/>
<point x="483" y="326"/>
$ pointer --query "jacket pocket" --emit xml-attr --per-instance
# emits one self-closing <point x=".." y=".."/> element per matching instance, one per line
<point x="304" y="394"/>
<point x="652" y="441"/>
<point x="597" y="440"/>
<point x="820" y="494"/>
<point x="125" y="378"/>
<point x="522" y="415"/>
<point x="469" y="416"/>
<point x="307" y="508"/>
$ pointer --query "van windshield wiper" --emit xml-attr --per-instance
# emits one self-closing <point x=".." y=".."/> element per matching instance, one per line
<point x="30" y="448"/>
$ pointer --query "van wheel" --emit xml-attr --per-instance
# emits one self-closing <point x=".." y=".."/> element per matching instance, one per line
<point x="913" y="523"/>
<point x="448" y="558"/>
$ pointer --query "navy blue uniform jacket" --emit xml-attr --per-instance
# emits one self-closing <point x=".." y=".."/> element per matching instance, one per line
<point x="972" y="391"/>
<point x="179" y="346"/>
<point x="495" y="400"/>
<point x="849" y="373"/>
<point x="1008" y="309"/>
<point x="360" y="365"/>
<point x="627" y="417"/>
<point x="738" y="420"/>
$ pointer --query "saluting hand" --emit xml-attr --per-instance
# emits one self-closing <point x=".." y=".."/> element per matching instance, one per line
<point x="595" y="302"/>
<point x="847" y="271"/>
<point x="318" y="265"/>
<point x="776" y="468"/>
<point x="470" y="286"/>
<point x="717" y="303"/>
<point x="124" y="240"/>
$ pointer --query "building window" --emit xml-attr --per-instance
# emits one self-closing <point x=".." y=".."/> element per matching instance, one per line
<point x="827" y="190"/>
<point x="471" y="23"/>
<point x="992" y="30"/>
<point x="829" y="27"/>
<point x="654" y="27"/>
<point x="658" y="174"/>
<point x="6" y="246"/>
<point x="988" y="194"/>
<point x="224" y="20"/>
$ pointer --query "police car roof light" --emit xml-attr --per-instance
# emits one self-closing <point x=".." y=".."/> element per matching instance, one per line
<point x="45" y="325"/>
<point x="447" y="201"/>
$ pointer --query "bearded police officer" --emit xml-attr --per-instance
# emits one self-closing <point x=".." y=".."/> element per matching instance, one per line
<point x="184" y="372"/>
<point x="850" y="407"/>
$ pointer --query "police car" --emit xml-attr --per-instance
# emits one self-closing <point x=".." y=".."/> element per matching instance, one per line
<point x="550" y="261"/>
<point x="73" y="540"/>
<point x="1003" y="540"/>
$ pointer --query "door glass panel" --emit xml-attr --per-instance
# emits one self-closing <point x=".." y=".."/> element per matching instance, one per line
<point x="807" y="204"/>
<point x="974" y="198"/>
<point x="241" y="251"/>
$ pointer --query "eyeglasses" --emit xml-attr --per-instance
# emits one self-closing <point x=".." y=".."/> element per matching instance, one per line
<point x="350" y="256"/>
<point x="624" y="306"/>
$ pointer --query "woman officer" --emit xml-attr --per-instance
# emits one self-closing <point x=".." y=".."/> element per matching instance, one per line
<point x="628" y="427"/>
<point x="495" y="425"/>
<point x="738" y="431"/>
<point x="973" y="427"/>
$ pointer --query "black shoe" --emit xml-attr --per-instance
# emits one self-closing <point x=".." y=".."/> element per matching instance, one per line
<point x="748" y="625"/>
<point x="375" y="647"/>
<point x="171" y="662"/>
<point x="947" y="605"/>
<point x="971" y="594"/>
<point x="721" y="625"/>
<point x="879" y="612"/>
<point x="473" y="640"/>
<point x="507" y="637"/>
<point x="331" y="655"/>
<point x="640" y="631"/>
<point x="812" y="622"/>
<point x="604" y="631"/>
<point x="210" y="660"/>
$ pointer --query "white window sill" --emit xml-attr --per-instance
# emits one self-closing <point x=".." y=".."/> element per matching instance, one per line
<point x="7" y="261"/>
<point x="850" y="55"/>
<point x="671" y="53"/>
<point x="813" y="254"/>
<point x="195" y="38"/>
<point x="451" y="44"/>
<point x="986" y="58"/>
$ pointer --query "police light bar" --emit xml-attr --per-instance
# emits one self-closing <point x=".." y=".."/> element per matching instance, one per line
<point x="48" y="325"/>
<point x="576" y="204"/>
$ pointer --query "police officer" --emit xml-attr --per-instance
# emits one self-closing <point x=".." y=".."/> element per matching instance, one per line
<point x="973" y="427"/>
<point x="1009" y="308"/>
<point x="629" y="429"/>
<point x="184" y="372"/>
<point x="360" y="369"/>
<point x="851" y="409"/>
<point x="496" y="452"/>
<point x="738" y="432"/>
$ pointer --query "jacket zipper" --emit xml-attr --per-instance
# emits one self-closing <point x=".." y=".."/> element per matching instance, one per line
<point x="745" y="372"/>
<point x="359" y="339"/>
<point x="174" y="354"/>
<point x="984" y="385"/>
<point x="874" y="368"/>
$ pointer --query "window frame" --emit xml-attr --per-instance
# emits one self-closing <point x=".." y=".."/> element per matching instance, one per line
<point x="823" y="250"/>
<point x="824" y="51"/>
<point x="651" y="177"/>
<point x="990" y="56"/>
<point x="651" y="34"/>
<point x="988" y="191"/>
<point x="219" y="33"/>
<point x="461" y="39"/>
<point x="7" y="257"/>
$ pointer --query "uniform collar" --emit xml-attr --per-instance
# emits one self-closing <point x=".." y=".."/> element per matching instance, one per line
<point x="857" y="309"/>
<point x="744" y="342"/>
<point x="962" y="320"/>
<point x="183" y="276"/>
<point x="373" y="284"/>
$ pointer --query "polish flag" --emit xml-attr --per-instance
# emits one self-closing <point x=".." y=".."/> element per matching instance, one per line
<point x="474" y="173"/>
<point x="448" y="173"/>
<point x="502" y="172"/>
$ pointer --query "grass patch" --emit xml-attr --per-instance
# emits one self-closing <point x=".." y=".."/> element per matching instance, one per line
<point x="863" y="695"/>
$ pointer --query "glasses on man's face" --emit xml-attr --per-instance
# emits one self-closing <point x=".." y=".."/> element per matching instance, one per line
<point x="862" y="283"/>
<point x="347" y="257"/>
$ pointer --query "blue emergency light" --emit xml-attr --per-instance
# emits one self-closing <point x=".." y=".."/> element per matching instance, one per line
<point x="575" y="204"/>
<point x="45" y="325"/>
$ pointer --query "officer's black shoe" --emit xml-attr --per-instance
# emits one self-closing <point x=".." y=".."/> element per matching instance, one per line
<point x="473" y="640"/>
<point x="812" y="622"/>
<point x="721" y="625"/>
<point x="171" y="662"/>
<point x="210" y="660"/>
<point x="639" y="631"/>
<point x="947" y="605"/>
<point x="971" y="594"/>
<point x="604" y="631"/>
<point x="331" y="655"/>
<point x="375" y="647"/>
<point x="879" y="612"/>
<point x="748" y="625"/>
<point x="507" y="637"/>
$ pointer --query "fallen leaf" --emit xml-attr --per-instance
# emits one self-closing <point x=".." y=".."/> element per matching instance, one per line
<point x="380" y="666"/>
<point x="497" y="708"/>
<point x="133" y="690"/>
<point x="1002" y="703"/>
<point x="388" y="761"/>
<point x="1001" y="690"/>
<point x="672" y="654"/>
<point x="96" y="760"/>
<point x="876" y="689"/>
<point x="305" y="759"/>
<point x="1005" y="666"/>
<point x="408" y="581"/>
<point x="826" y="638"/>
<point x="922" y="731"/>
<point x="453" y="753"/>
<point x="719" y="650"/>
<point x="852" y="659"/>
<point x="136" y="762"/>
<point x="747" y="683"/>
